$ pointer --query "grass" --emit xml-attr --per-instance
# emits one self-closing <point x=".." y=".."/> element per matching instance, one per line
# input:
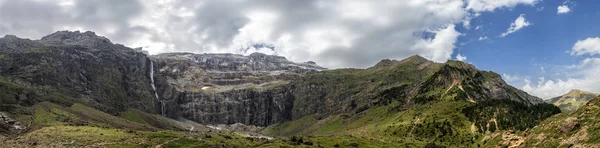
<point x="79" y="136"/>
<point x="440" y="122"/>
<point x="79" y="125"/>
<point x="48" y="114"/>
<point x="554" y="131"/>
<point x="147" y="119"/>
<point x="103" y="119"/>
<point x="290" y="128"/>
<point x="5" y="82"/>
<point x="8" y="95"/>
<point x="224" y="140"/>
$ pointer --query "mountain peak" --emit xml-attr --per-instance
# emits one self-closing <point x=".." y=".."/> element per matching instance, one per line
<point x="385" y="63"/>
<point x="75" y="38"/>
<point x="9" y="36"/>
<point x="578" y="91"/>
<point x="415" y="58"/>
<point x="572" y="100"/>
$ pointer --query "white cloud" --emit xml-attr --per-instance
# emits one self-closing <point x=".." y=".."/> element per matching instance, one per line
<point x="491" y="5"/>
<point x="483" y="38"/>
<point x="539" y="9"/>
<point x="586" y="78"/>
<point x="583" y="75"/>
<point x="440" y="48"/>
<point x="510" y="78"/>
<point x="334" y="33"/>
<point x="478" y="27"/>
<point x="461" y="57"/>
<point x="563" y="9"/>
<point x="519" y="23"/>
<point x="467" y="23"/>
<point x="588" y="46"/>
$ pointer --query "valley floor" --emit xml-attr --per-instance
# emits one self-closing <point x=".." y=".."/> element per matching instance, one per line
<point x="51" y="125"/>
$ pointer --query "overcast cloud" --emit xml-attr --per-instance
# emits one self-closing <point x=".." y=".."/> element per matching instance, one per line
<point x="334" y="33"/>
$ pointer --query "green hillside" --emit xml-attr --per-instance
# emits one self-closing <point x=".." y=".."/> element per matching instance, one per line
<point x="445" y="111"/>
<point x="573" y="100"/>
<point x="580" y="128"/>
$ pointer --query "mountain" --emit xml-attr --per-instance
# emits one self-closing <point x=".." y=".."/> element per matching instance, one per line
<point x="67" y="87"/>
<point x="74" y="67"/>
<point x="230" y="88"/>
<point x="573" y="100"/>
<point x="575" y="129"/>
<point x="414" y="101"/>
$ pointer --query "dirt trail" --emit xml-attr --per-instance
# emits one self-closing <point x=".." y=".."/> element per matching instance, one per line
<point x="160" y="145"/>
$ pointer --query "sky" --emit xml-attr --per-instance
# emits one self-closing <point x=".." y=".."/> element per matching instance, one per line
<point x="545" y="47"/>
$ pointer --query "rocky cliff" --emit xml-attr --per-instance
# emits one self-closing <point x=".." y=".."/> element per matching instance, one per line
<point x="74" y="67"/>
<point x="230" y="88"/>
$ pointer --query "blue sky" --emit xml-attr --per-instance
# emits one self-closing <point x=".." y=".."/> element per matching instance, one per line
<point x="545" y="53"/>
<point x="539" y="50"/>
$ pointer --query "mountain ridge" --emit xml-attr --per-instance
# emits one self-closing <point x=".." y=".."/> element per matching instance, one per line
<point x="572" y="100"/>
<point x="263" y="90"/>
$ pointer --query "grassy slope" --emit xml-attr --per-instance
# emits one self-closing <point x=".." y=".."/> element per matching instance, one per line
<point x="76" y="126"/>
<point x="580" y="128"/>
<point x="441" y="123"/>
<point x="152" y="120"/>
<point x="441" y="115"/>
<point x="53" y="125"/>
<point x="572" y="100"/>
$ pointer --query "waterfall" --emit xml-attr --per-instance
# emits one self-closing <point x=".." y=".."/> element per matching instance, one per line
<point x="162" y="103"/>
<point x="162" y="108"/>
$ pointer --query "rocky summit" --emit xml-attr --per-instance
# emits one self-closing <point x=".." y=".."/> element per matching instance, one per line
<point x="76" y="83"/>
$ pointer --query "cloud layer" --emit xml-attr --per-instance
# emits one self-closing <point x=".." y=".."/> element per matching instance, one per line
<point x="334" y="33"/>
<point x="583" y="75"/>
<point x="588" y="46"/>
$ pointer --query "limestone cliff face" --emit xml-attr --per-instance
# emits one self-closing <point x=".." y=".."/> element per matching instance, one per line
<point x="247" y="106"/>
<point x="229" y="88"/>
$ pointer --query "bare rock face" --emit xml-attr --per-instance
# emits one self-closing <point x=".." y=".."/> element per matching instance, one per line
<point x="9" y="125"/>
<point x="74" y="67"/>
<point x="230" y="88"/>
